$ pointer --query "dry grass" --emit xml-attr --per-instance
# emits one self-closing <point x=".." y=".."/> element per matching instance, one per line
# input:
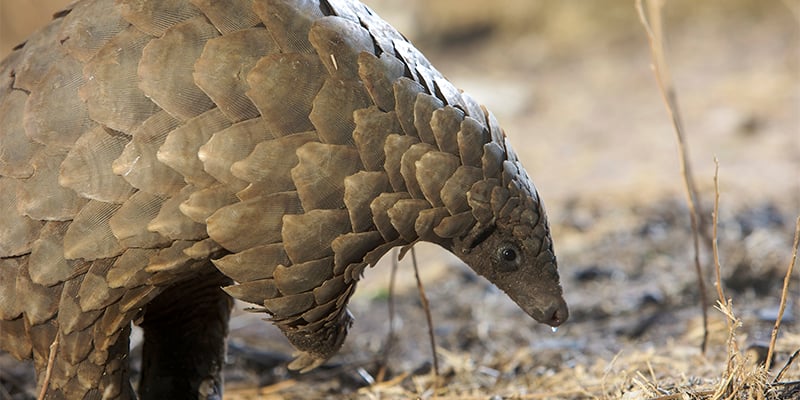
<point x="742" y="378"/>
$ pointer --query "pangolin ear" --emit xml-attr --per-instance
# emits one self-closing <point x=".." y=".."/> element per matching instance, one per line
<point x="476" y="236"/>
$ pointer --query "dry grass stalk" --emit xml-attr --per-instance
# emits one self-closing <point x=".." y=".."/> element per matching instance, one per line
<point x="381" y="375"/>
<point x="48" y="372"/>
<point x="786" y="366"/>
<point x="427" y="307"/>
<point x="723" y="302"/>
<point x="653" y="27"/>
<point x="784" y="293"/>
<point x="714" y="241"/>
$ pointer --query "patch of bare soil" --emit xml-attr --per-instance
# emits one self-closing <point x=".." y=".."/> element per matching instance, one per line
<point x="571" y="83"/>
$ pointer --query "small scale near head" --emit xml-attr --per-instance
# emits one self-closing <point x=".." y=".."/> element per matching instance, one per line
<point x="515" y="252"/>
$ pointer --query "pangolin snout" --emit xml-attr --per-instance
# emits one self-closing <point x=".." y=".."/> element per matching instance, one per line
<point x="552" y="311"/>
<point x="556" y="313"/>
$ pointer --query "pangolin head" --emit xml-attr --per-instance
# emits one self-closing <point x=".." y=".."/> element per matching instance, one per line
<point x="513" y="249"/>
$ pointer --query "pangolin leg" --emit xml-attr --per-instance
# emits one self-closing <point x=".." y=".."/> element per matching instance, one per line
<point x="184" y="340"/>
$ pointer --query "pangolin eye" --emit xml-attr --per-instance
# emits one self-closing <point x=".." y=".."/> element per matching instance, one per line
<point x="508" y="257"/>
<point x="509" y="254"/>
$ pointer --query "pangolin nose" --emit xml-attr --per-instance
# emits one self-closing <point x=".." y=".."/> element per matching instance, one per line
<point x="556" y="314"/>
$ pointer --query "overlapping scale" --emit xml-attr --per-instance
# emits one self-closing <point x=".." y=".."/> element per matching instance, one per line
<point x="427" y="220"/>
<point x="454" y="191"/>
<point x="71" y="318"/>
<point x="353" y="247"/>
<point x="270" y="163"/>
<point x="15" y="337"/>
<point x="405" y="97"/>
<point x="111" y="91"/>
<point x="204" y="202"/>
<point x="46" y="263"/>
<point x="403" y="216"/>
<point x="54" y="115"/>
<point x="165" y="70"/>
<point x="253" y="222"/>
<point x="94" y="293"/>
<point x="128" y="270"/>
<point x="380" y="213"/>
<point x="16" y="163"/>
<point x="333" y="107"/>
<point x="89" y="26"/>
<point x="359" y="191"/>
<point x="373" y="126"/>
<point x="394" y="147"/>
<point x="37" y="56"/>
<point x="255" y="291"/>
<point x="330" y="289"/>
<point x="289" y="306"/>
<point x="479" y="198"/>
<point x="222" y="69"/>
<point x="129" y="222"/>
<point x="283" y="99"/>
<point x="155" y="17"/>
<point x="180" y="147"/>
<point x="424" y="106"/>
<point x="87" y="167"/>
<point x="492" y="160"/>
<point x="228" y="16"/>
<point x="302" y="277"/>
<point x="289" y="22"/>
<point x="229" y="146"/>
<point x="40" y="196"/>
<point x="136" y="298"/>
<point x="253" y="264"/>
<point x="89" y="236"/>
<point x="473" y="109"/>
<point x="172" y="223"/>
<point x="138" y="163"/>
<point x="455" y="225"/>
<point x="378" y="74"/>
<point x="446" y="123"/>
<point x="320" y="172"/>
<point x="10" y="305"/>
<point x="308" y="236"/>
<point x="339" y="41"/>
<point x="41" y="302"/>
<point x="408" y="167"/>
<point x="433" y="169"/>
<point x="470" y="139"/>
<point x="204" y="249"/>
<point x="17" y="232"/>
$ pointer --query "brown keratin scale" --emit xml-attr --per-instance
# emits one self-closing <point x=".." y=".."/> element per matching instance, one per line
<point x="153" y="152"/>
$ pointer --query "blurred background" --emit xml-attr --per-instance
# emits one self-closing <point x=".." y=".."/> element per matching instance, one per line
<point x="571" y="83"/>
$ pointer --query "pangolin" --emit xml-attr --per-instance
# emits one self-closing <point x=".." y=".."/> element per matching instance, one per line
<point x="159" y="157"/>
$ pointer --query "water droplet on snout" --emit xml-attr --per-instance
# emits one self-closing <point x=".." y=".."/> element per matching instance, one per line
<point x="554" y="329"/>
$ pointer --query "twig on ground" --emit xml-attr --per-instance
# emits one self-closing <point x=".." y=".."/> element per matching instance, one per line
<point x="667" y="90"/>
<point x="784" y="294"/>
<point x="49" y="371"/>
<point x="390" y="336"/>
<point x="786" y="366"/>
<point x="427" y="307"/>
<point x="714" y="244"/>
<point x="724" y="303"/>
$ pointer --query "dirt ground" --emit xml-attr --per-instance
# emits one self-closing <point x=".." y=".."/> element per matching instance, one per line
<point x="571" y="84"/>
